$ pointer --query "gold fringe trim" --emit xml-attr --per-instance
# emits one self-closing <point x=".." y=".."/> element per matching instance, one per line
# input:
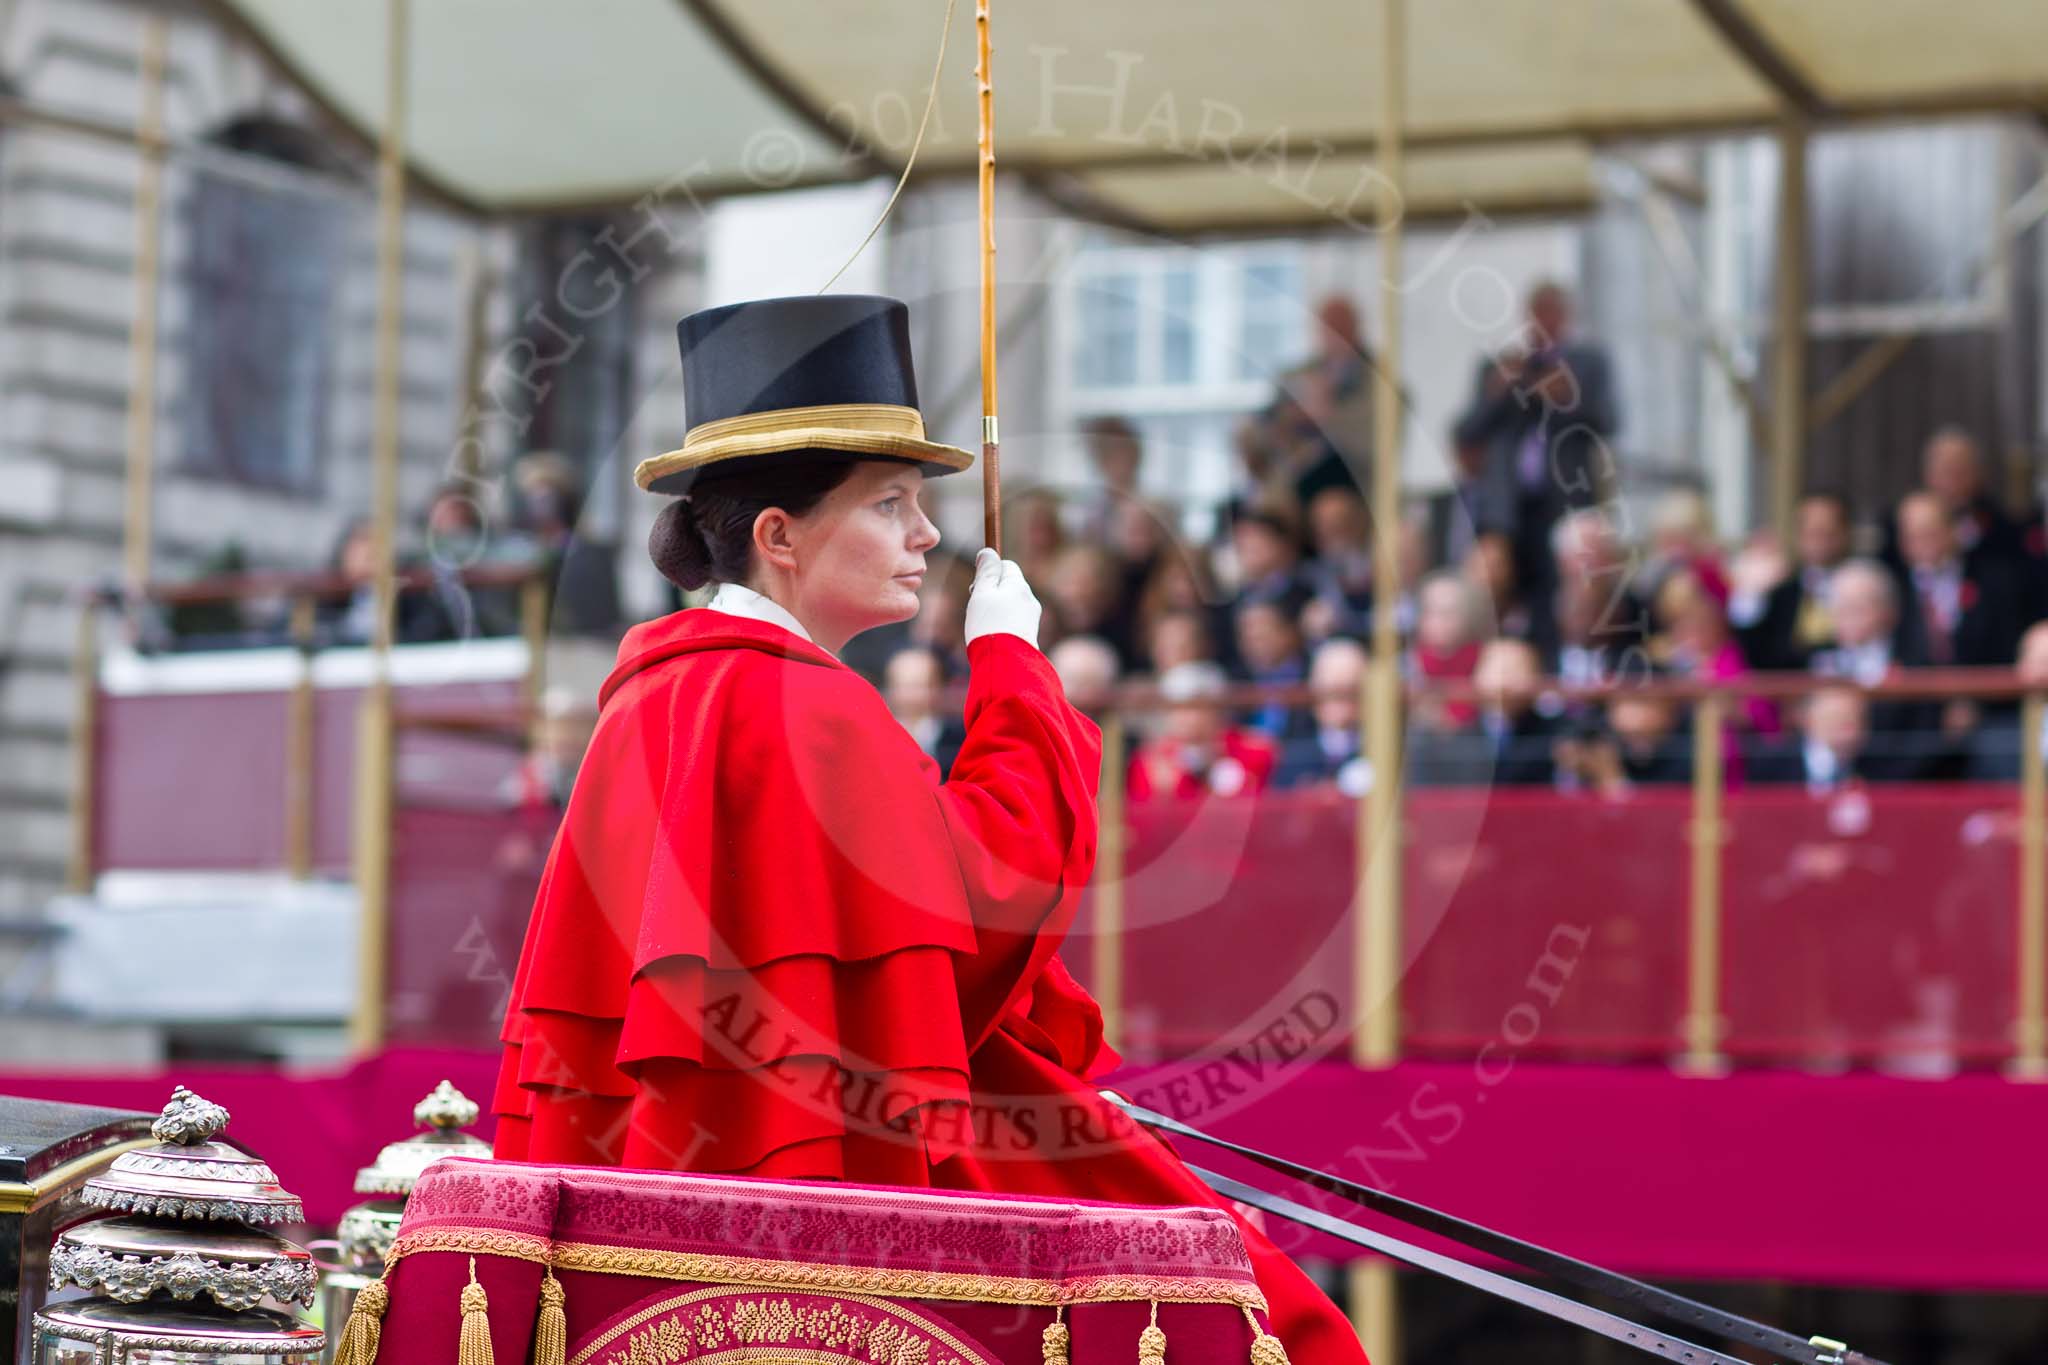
<point x="767" y="1274"/>
<point x="517" y="1246"/>
<point x="363" y="1331"/>
<point x="1056" y="1339"/>
<point x="1266" y="1348"/>
<point x="1152" y="1341"/>
<point x="475" y="1345"/>
<point x="551" y="1332"/>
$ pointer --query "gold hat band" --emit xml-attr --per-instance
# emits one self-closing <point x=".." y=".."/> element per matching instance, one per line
<point x="887" y="419"/>
<point x="881" y="429"/>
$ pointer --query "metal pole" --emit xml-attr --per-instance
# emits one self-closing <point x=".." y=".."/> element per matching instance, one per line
<point x="390" y="263"/>
<point x="1788" y="384"/>
<point x="1376" y="963"/>
<point x="85" y="733"/>
<point x="298" y="748"/>
<point x="374" y="717"/>
<point x="2030" y="1033"/>
<point x="1376" y="1309"/>
<point x="1703" y="958"/>
<point x="374" y="808"/>
<point x="1106" y="952"/>
<point x="533" y="629"/>
<point x="142" y="339"/>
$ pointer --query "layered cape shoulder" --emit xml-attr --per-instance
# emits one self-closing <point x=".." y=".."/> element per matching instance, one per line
<point x="769" y="937"/>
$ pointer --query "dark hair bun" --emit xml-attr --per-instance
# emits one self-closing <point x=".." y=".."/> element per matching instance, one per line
<point x="678" y="547"/>
<point x="710" y="534"/>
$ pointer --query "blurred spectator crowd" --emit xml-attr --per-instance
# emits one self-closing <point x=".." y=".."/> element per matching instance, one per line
<point x="461" y="578"/>
<point x="1531" y="606"/>
<point x="1534" y="614"/>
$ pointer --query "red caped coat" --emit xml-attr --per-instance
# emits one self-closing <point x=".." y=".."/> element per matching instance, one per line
<point x="770" y="940"/>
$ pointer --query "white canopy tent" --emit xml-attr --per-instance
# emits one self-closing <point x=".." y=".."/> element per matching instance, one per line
<point x="1162" y="116"/>
<point x="1172" y="116"/>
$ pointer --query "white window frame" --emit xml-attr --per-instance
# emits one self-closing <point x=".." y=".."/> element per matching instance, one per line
<point x="1214" y="393"/>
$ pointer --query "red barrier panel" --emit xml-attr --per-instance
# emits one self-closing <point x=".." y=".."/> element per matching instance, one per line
<point x="191" y="775"/>
<point x="1873" y="925"/>
<point x="1236" y="913"/>
<point x="462" y="887"/>
<point x="1556" y="924"/>
<point x="190" y="782"/>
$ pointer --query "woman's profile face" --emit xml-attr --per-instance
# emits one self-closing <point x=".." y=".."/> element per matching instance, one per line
<point x="860" y="552"/>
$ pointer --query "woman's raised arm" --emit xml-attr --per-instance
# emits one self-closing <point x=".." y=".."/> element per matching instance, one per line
<point x="1019" y="806"/>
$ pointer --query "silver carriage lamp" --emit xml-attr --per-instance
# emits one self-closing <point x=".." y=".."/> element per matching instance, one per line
<point x="367" y="1229"/>
<point x="177" y="1275"/>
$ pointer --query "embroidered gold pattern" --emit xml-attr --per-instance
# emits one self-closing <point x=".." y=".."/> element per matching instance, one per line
<point x="727" y="1324"/>
<point x="665" y="1342"/>
<point x="831" y="1327"/>
<point x="764" y="1320"/>
<point x="890" y="1344"/>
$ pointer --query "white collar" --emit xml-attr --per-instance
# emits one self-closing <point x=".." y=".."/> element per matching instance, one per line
<point x="1824" y="769"/>
<point x="737" y="599"/>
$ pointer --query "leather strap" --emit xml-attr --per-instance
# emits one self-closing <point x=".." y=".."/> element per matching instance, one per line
<point x="1646" y="1298"/>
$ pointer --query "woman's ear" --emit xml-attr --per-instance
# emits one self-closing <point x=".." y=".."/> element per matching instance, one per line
<point x="773" y="544"/>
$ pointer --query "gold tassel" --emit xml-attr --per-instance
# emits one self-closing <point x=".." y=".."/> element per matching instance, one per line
<point x="365" y="1325"/>
<point x="1152" y="1341"/>
<point x="475" y="1345"/>
<point x="1266" y="1348"/>
<point x="551" y="1333"/>
<point x="1056" y="1337"/>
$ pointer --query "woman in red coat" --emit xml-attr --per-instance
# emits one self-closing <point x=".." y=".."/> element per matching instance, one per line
<point x="771" y="938"/>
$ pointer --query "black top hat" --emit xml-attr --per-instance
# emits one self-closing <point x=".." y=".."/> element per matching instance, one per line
<point x="816" y="372"/>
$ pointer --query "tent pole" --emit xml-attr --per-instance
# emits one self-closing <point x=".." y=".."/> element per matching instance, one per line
<point x="374" y="728"/>
<point x="1788" y="383"/>
<point x="1106" y="947"/>
<point x="2030" y="1034"/>
<point x="1376" y="1036"/>
<point x="390" y="261"/>
<point x="1377" y="944"/>
<point x="149" y="142"/>
<point x="1707" y="833"/>
<point x="1376" y="1308"/>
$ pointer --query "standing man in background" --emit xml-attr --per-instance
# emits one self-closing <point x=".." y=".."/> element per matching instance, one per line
<point x="1543" y="410"/>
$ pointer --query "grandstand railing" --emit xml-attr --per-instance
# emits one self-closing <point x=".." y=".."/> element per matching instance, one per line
<point x="254" y="734"/>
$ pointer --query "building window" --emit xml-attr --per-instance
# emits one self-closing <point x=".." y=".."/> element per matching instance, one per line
<point x="1108" y="354"/>
<point x="1177" y="327"/>
<point x="267" y="250"/>
<point x="1184" y="343"/>
<point x="1270" y="312"/>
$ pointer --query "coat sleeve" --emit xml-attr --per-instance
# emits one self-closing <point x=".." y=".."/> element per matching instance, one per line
<point x="1488" y="413"/>
<point x="1019" y="807"/>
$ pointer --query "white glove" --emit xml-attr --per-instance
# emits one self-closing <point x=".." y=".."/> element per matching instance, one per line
<point x="1000" y="602"/>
